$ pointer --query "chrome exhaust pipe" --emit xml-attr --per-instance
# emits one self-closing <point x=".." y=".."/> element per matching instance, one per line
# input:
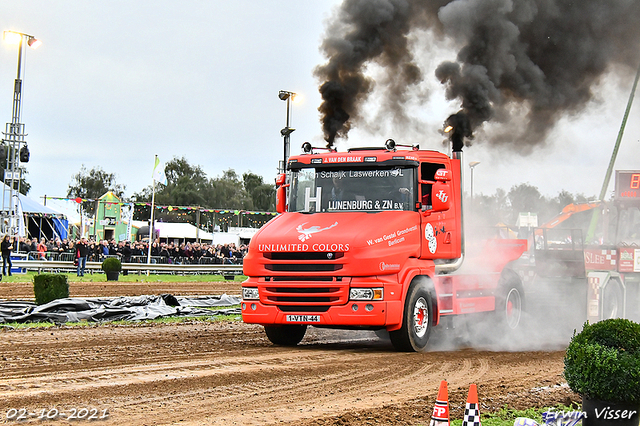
<point x="455" y="264"/>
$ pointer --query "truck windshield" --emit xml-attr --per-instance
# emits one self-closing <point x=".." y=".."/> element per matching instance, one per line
<point x="361" y="189"/>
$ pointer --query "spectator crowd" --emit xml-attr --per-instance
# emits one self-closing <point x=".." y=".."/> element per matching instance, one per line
<point x="132" y="252"/>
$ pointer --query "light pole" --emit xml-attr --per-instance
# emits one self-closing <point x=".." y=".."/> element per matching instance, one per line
<point x="14" y="137"/>
<point x="286" y="132"/>
<point x="472" y="165"/>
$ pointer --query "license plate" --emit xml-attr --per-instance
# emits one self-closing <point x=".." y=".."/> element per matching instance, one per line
<point x="303" y="318"/>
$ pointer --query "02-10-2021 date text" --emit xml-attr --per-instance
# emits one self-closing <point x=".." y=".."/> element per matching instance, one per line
<point x="18" y="414"/>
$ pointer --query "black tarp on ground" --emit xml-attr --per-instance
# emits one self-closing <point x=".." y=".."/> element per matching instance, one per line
<point x="76" y="309"/>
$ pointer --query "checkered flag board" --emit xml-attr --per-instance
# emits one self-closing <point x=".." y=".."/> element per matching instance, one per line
<point x="472" y="409"/>
<point x="471" y="415"/>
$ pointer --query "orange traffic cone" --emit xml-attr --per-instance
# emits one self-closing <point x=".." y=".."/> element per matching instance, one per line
<point x="440" y="416"/>
<point x="472" y="409"/>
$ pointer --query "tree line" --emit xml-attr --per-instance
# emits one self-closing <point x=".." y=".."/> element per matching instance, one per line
<point x="504" y="207"/>
<point x="189" y="185"/>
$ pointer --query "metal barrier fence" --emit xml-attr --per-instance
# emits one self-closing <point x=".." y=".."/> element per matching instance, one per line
<point x="48" y="255"/>
<point x="226" y="270"/>
<point x="178" y="260"/>
<point x="70" y="257"/>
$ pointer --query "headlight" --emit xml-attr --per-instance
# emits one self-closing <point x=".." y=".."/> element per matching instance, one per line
<point x="250" y="293"/>
<point x="366" y="294"/>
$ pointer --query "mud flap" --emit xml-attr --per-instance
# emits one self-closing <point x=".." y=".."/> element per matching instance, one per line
<point x="600" y="284"/>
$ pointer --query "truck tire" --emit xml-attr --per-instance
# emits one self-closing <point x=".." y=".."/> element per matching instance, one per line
<point x="509" y="305"/>
<point x="612" y="302"/>
<point x="417" y="320"/>
<point x="285" y="335"/>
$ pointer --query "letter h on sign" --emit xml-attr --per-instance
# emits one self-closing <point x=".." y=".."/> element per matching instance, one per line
<point x="308" y="199"/>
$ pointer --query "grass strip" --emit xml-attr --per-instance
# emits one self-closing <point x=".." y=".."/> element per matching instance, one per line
<point x="135" y="278"/>
<point x="506" y="416"/>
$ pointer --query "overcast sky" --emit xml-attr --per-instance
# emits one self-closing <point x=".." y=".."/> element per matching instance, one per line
<point x="118" y="81"/>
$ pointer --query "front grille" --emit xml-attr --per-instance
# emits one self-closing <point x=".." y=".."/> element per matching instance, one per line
<point x="303" y="290"/>
<point x="305" y="295"/>
<point x="302" y="267"/>
<point x="305" y="278"/>
<point x="302" y="309"/>
<point x="290" y="261"/>
<point x="294" y="255"/>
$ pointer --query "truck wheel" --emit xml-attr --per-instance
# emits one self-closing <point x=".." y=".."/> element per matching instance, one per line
<point x="510" y="305"/>
<point x="285" y="335"/>
<point x="612" y="302"/>
<point x="417" y="320"/>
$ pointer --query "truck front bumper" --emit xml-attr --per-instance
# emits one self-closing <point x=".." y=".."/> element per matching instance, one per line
<point x="354" y="313"/>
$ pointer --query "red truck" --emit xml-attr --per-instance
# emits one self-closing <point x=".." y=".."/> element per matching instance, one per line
<point x="613" y="266"/>
<point x="605" y="270"/>
<point x="373" y="239"/>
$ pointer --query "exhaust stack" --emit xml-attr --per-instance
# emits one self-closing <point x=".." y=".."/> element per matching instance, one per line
<point x="457" y="126"/>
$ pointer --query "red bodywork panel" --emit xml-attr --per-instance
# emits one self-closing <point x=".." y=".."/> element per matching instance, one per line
<point x="606" y="259"/>
<point x="471" y="289"/>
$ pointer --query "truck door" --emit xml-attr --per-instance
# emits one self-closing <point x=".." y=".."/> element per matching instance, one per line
<point x="437" y="216"/>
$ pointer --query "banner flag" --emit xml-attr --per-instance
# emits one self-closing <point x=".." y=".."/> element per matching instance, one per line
<point x="126" y="215"/>
<point x="158" y="172"/>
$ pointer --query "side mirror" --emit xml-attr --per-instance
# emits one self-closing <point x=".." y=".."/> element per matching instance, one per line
<point x="281" y="199"/>
<point x="281" y="193"/>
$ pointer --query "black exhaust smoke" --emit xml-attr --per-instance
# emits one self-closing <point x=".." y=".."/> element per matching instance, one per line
<point x="364" y="31"/>
<point x="458" y="127"/>
<point x="545" y="56"/>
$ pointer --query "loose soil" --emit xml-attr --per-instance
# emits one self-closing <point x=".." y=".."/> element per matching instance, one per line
<point x="228" y="373"/>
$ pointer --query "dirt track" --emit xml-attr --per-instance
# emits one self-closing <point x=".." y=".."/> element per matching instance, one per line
<point x="228" y="373"/>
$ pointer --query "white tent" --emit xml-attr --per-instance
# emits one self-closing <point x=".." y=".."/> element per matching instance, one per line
<point x="41" y="221"/>
<point x="185" y="231"/>
<point x="28" y="205"/>
<point x="177" y="231"/>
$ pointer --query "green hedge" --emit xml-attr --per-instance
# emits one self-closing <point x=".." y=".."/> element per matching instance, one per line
<point x="111" y="264"/>
<point x="603" y="361"/>
<point x="48" y="287"/>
